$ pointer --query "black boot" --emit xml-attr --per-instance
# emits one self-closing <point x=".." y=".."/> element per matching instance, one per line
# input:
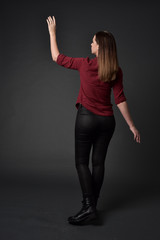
<point x="87" y="213"/>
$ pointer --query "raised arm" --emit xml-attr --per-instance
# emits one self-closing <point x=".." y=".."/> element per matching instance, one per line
<point x="53" y="42"/>
<point x="60" y="58"/>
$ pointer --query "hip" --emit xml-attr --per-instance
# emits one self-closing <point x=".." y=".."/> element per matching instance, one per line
<point x="86" y="118"/>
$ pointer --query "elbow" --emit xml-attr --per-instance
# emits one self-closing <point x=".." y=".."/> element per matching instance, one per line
<point x="54" y="58"/>
<point x="120" y="103"/>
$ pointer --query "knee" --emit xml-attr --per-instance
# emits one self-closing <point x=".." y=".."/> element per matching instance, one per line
<point x="80" y="163"/>
<point x="98" y="162"/>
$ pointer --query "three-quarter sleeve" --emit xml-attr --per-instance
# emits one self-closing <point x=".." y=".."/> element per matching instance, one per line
<point x="117" y="87"/>
<point x="69" y="62"/>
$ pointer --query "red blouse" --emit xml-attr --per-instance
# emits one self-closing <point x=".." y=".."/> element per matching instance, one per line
<point x="94" y="94"/>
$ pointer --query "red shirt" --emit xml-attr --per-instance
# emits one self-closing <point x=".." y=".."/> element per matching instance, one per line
<point x="94" y="94"/>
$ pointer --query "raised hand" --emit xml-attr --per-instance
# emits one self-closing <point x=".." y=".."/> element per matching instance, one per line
<point x="51" y="25"/>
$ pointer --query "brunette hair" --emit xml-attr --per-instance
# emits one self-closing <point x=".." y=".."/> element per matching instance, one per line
<point x="107" y="56"/>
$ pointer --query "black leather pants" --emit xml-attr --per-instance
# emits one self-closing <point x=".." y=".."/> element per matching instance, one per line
<point x="92" y="131"/>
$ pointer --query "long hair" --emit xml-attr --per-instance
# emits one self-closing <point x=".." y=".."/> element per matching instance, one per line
<point x="107" y="56"/>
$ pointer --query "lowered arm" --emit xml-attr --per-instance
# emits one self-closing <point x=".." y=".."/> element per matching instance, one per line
<point x="123" y="107"/>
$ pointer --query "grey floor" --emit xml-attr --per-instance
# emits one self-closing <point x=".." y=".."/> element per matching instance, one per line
<point x="38" y="209"/>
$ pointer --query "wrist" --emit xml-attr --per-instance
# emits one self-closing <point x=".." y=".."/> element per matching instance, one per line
<point x="53" y="34"/>
<point x="131" y="126"/>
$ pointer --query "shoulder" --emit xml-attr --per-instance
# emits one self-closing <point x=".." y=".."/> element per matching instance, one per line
<point x="87" y="59"/>
<point x="119" y="73"/>
<point x="118" y="78"/>
<point x="90" y="61"/>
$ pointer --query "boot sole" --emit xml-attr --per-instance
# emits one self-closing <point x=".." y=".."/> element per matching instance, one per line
<point x="86" y="219"/>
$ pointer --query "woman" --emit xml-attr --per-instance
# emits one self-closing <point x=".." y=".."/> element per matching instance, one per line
<point x="95" y="122"/>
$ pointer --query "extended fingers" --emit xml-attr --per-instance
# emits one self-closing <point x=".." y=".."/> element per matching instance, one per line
<point x="138" y="138"/>
<point x="54" y="19"/>
<point x="49" y="19"/>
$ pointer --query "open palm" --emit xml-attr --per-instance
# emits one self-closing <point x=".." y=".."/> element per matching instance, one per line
<point x="51" y="24"/>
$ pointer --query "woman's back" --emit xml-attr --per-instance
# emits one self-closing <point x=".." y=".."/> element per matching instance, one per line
<point x="94" y="94"/>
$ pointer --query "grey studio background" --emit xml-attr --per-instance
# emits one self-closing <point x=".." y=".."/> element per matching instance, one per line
<point x="37" y="102"/>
